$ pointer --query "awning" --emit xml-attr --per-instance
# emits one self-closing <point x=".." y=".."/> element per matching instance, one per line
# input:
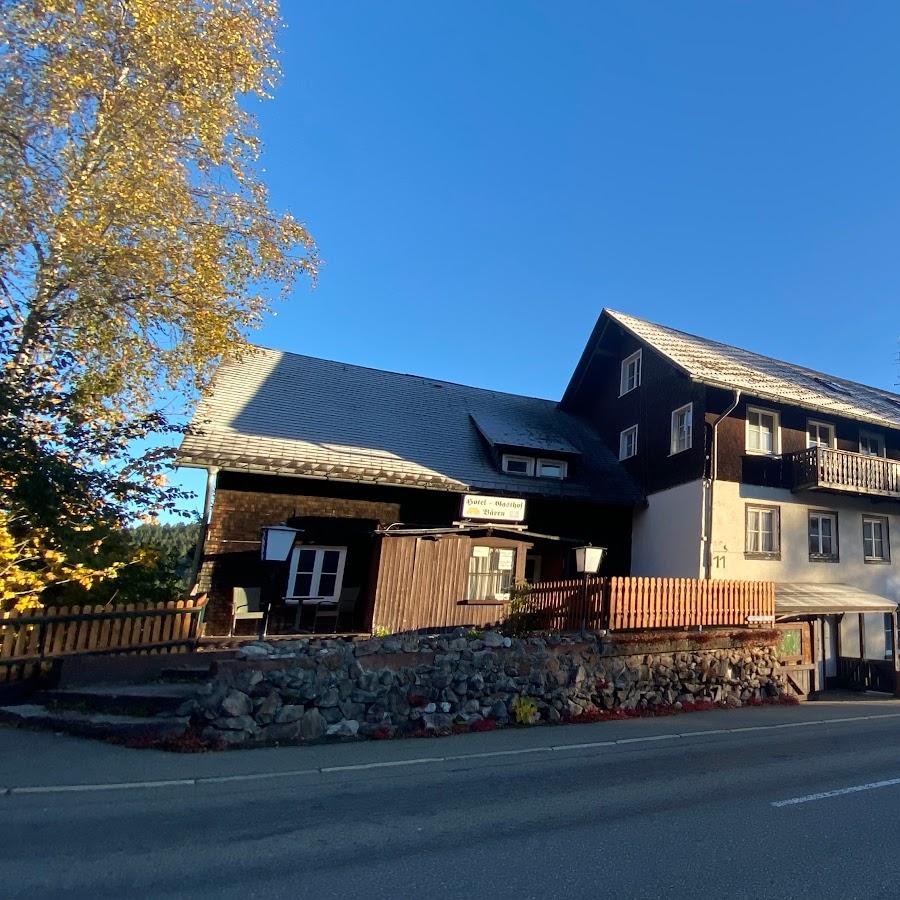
<point x="476" y="529"/>
<point x="809" y="599"/>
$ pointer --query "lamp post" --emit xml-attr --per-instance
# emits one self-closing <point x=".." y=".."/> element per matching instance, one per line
<point x="275" y="545"/>
<point x="587" y="563"/>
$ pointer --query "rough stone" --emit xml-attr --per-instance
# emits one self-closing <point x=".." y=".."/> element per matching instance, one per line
<point x="312" y="725"/>
<point x="289" y="713"/>
<point x="345" y="728"/>
<point x="236" y="703"/>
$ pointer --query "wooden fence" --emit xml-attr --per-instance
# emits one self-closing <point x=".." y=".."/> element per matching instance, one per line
<point x="624" y="604"/>
<point x="30" y="640"/>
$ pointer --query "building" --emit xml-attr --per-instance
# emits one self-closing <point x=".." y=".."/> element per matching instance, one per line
<point x="755" y="468"/>
<point x="375" y="467"/>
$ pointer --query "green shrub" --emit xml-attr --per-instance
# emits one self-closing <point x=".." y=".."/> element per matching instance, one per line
<point x="521" y="617"/>
<point x="525" y="710"/>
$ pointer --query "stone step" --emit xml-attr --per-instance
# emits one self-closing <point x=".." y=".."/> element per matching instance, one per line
<point x="93" y="724"/>
<point x="119" y="699"/>
<point x="192" y="674"/>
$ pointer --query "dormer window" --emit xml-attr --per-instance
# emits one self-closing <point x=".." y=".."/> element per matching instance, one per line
<point x="551" y="468"/>
<point x="631" y="373"/>
<point x="531" y="467"/>
<point x="518" y="465"/>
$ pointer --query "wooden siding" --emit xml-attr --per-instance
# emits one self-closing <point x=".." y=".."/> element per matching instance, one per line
<point x="664" y="388"/>
<point x="735" y="464"/>
<point x="422" y="583"/>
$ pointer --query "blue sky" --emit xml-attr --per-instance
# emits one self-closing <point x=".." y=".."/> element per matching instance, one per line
<point x="483" y="177"/>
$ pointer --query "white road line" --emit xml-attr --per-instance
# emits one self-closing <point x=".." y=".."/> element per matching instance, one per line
<point x="256" y="776"/>
<point x="824" y="795"/>
<point x="588" y="746"/>
<point x="81" y="788"/>
<point x="399" y="763"/>
<point x="390" y="764"/>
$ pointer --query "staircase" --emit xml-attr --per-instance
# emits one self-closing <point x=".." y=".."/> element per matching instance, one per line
<point x="128" y="698"/>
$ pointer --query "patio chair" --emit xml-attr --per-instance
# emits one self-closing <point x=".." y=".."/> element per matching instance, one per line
<point x="334" y="610"/>
<point x="245" y="604"/>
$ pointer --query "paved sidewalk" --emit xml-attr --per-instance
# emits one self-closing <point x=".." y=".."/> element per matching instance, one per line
<point x="35" y="759"/>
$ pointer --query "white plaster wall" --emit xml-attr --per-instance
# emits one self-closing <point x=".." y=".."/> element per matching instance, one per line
<point x="729" y="502"/>
<point x="666" y="536"/>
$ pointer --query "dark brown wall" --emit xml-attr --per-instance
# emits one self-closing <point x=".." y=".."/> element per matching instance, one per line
<point x="348" y="513"/>
<point x="231" y="557"/>
<point x="736" y="465"/>
<point x="664" y="388"/>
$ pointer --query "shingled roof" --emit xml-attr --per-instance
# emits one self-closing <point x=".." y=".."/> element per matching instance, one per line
<point x="721" y="365"/>
<point x="282" y="413"/>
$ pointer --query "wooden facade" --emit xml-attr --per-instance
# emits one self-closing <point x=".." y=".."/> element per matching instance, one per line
<point x="353" y="516"/>
<point x="423" y="582"/>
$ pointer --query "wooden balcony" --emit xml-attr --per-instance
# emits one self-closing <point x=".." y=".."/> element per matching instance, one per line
<point x="848" y="473"/>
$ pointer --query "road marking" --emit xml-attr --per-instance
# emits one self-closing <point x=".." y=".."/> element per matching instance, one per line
<point x="824" y="795"/>
<point x="119" y="786"/>
<point x="420" y="760"/>
<point x="256" y="776"/>
<point x="389" y="764"/>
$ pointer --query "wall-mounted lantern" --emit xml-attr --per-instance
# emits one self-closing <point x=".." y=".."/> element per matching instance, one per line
<point x="588" y="559"/>
<point x="275" y="545"/>
<point x="276" y="542"/>
<point x="587" y="563"/>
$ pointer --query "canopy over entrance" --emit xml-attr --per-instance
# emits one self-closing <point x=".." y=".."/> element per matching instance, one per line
<point x="810" y="599"/>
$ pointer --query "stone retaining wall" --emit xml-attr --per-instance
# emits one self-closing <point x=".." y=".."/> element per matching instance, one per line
<point x="310" y="690"/>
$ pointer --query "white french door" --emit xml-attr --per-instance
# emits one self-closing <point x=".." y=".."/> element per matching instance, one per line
<point x="316" y="572"/>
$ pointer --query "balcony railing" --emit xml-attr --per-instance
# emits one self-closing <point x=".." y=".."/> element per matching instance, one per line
<point x="820" y="468"/>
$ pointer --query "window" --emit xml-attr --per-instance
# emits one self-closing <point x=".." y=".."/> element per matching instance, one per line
<point x="518" y="465"/>
<point x="317" y="572"/>
<point x="871" y="444"/>
<point x="631" y="373"/>
<point x="628" y="442"/>
<point x="762" y="431"/>
<point x="552" y="468"/>
<point x="682" y="420"/>
<point x="888" y="636"/>
<point x="819" y="434"/>
<point x="876" y="544"/>
<point x="823" y="537"/>
<point x="491" y="572"/>
<point x="763" y="532"/>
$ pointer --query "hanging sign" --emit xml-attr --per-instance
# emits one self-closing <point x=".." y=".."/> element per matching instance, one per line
<point x="494" y="509"/>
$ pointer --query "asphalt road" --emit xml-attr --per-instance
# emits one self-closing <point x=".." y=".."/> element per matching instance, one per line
<point x="664" y="808"/>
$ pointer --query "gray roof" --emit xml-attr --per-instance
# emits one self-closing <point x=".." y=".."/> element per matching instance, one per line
<point x="810" y="599"/>
<point x="721" y="365"/>
<point x="282" y="413"/>
<point x="503" y="431"/>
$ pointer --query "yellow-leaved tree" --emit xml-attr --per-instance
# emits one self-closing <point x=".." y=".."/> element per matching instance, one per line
<point x="137" y="245"/>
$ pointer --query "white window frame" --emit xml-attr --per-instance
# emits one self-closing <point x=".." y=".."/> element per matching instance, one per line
<point x="884" y="524"/>
<point x="624" y="376"/>
<point x="560" y="463"/>
<point x="819" y="556"/>
<point x="623" y="436"/>
<point x="816" y="423"/>
<point x="762" y="509"/>
<point x="317" y="571"/>
<point x="488" y="550"/>
<point x="688" y="430"/>
<point x="878" y="437"/>
<point x="776" y="434"/>
<point x="514" y="457"/>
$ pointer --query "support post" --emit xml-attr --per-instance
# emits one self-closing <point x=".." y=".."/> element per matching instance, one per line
<point x="896" y="654"/>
